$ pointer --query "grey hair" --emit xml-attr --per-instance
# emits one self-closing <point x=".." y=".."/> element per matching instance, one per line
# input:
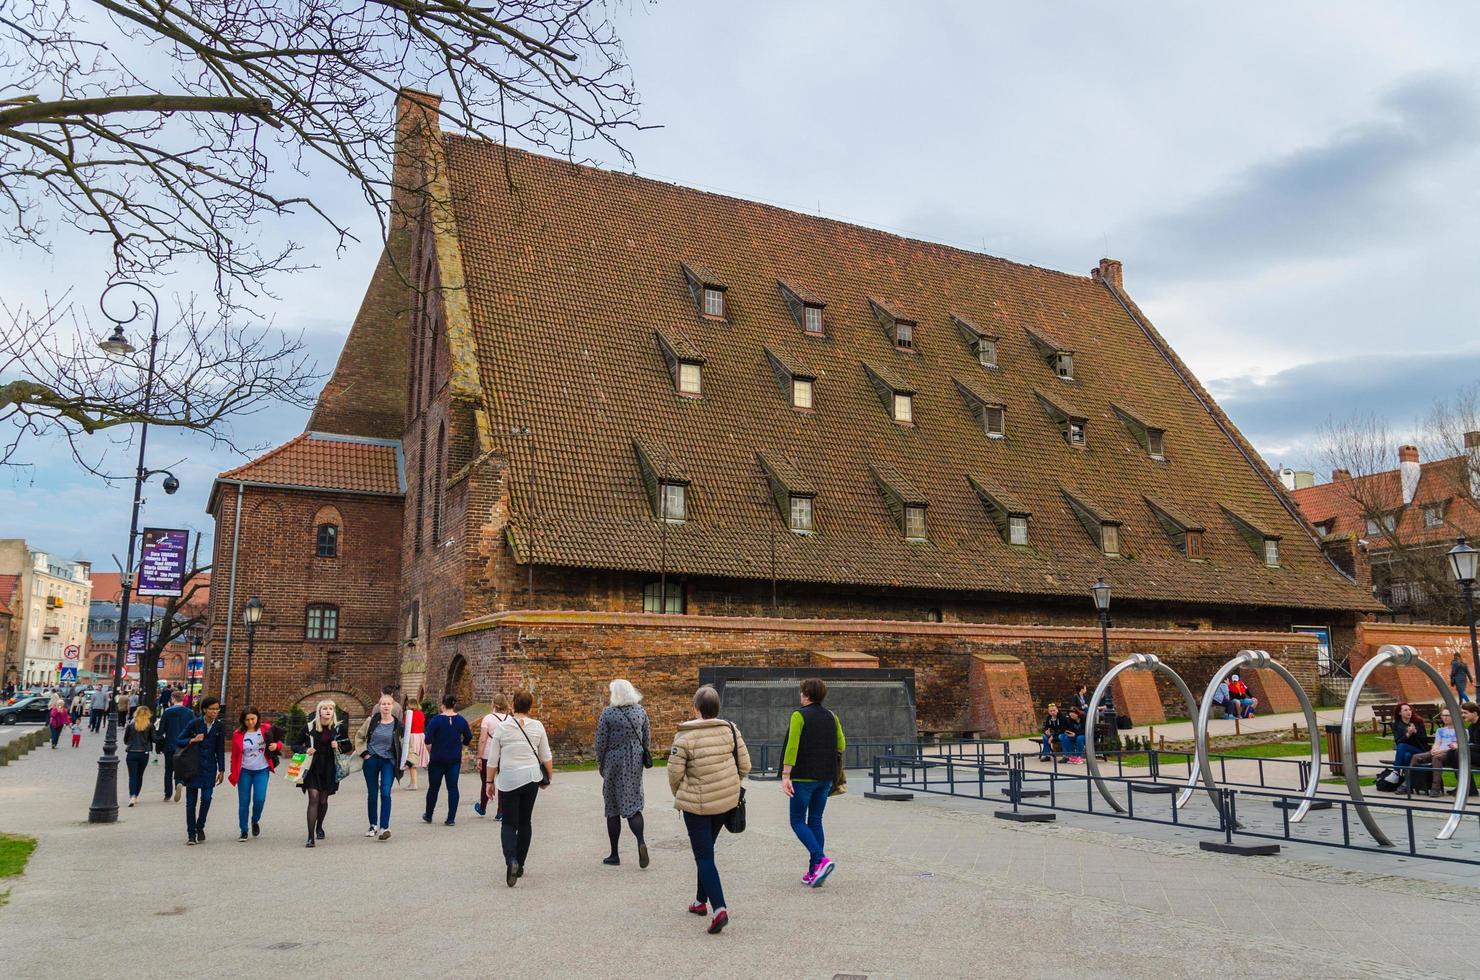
<point x="624" y="693"/>
<point x="706" y="699"/>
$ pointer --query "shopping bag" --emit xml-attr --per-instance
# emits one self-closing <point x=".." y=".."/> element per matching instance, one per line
<point x="297" y="766"/>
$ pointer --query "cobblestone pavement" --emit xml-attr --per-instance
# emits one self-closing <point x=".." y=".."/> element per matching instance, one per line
<point x="935" y="887"/>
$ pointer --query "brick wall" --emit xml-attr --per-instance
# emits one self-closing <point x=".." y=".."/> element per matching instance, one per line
<point x="566" y="659"/>
<point x="1436" y="644"/>
<point x="277" y="562"/>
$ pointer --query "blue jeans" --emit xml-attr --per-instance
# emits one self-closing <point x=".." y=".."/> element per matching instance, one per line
<point x="1459" y="688"/>
<point x="380" y="775"/>
<point x="197" y="805"/>
<point x="1072" y="744"/>
<point x="251" y="788"/>
<point x="807" y="802"/>
<point x="138" y="763"/>
<point x="437" y="772"/>
<point x="1247" y="704"/>
<point x="1048" y="743"/>
<point x="703" y="832"/>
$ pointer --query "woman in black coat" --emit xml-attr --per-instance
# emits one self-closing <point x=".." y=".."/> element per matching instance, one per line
<point x="323" y="738"/>
<point x="1409" y="737"/>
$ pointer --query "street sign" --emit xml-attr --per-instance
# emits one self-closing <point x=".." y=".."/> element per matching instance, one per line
<point x="72" y="652"/>
<point x="68" y="674"/>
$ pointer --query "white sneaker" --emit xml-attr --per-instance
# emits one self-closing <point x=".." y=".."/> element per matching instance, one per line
<point x="385" y="833"/>
<point x="371" y="832"/>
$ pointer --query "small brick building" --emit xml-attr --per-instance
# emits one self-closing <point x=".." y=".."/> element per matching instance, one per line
<point x="706" y="431"/>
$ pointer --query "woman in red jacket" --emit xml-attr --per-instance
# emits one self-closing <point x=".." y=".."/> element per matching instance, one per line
<point x="254" y="755"/>
<point x="413" y="741"/>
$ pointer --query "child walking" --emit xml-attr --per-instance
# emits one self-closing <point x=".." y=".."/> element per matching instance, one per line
<point x="76" y="734"/>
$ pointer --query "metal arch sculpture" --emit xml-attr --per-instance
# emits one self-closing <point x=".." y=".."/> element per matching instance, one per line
<point x="1256" y="660"/>
<point x="1136" y="661"/>
<point x="1400" y="656"/>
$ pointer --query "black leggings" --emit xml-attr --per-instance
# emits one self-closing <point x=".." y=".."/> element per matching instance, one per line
<point x="318" y="806"/>
<point x="614" y="829"/>
<point x="518" y="807"/>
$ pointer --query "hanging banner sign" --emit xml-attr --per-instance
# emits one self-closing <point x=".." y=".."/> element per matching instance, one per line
<point x="162" y="563"/>
<point x="138" y="642"/>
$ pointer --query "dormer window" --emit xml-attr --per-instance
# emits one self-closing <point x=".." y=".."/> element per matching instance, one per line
<point x="994" y="421"/>
<point x="795" y="379"/>
<point x="990" y="413"/>
<point x="914" y="523"/>
<point x="666" y="482"/>
<point x="801" y="514"/>
<point x="801" y="393"/>
<point x="1433" y="515"/>
<point x="1156" y="443"/>
<point x="905" y="502"/>
<point x="1151" y="438"/>
<point x="1103" y="529"/>
<point x="707" y="290"/>
<point x="812" y="319"/>
<point x="791" y="491"/>
<point x="1059" y="357"/>
<point x="1185" y="534"/>
<point x="1272" y="552"/>
<point x="1192" y="545"/>
<point x="1017" y="530"/>
<point x="1263" y="542"/>
<point x="900" y="328"/>
<point x="983" y="345"/>
<point x="1110" y="539"/>
<point x="986" y="352"/>
<point x="804" y="306"/>
<point x="1072" y="424"/>
<point x="685" y="364"/>
<point x="897" y="397"/>
<point x="1076" y="433"/>
<point x="1010" y="516"/>
<point x="1063" y="365"/>
<point x="673" y="502"/>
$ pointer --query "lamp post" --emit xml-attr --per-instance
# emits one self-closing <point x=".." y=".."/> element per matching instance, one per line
<point x="1101" y="592"/>
<point x="196" y="642"/>
<point x="104" y="807"/>
<point x="251" y="612"/>
<point x="1462" y="564"/>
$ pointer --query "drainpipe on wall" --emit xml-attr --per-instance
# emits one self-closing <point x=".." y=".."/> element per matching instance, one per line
<point x="236" y="537"/>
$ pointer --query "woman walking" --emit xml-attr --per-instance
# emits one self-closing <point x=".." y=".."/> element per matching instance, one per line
<point x="139" y="739"/>
<point x="813" y="740"/>
<point x="254" y="757"/>
<point x="486" y="728"/>
<point x="414" y="753"/>
<point x="57" y="719"/>
<point x="518" y="765"/>
<point x="706" y="765"/>
<point x="208" y="736"/>
<point x="322" y="739"/>
<point x="378" y="743"/>
<point x="1459" y="675"/>
<point x="623" y="742"/>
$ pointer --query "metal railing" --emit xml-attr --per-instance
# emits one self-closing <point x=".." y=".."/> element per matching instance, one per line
<point x="766" y="756"/>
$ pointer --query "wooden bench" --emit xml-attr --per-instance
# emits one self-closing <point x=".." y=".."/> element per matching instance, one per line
<point x="1383" y="714"/>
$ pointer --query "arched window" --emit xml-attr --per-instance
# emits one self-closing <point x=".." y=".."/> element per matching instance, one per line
<point x="321" y="622"/>
<point x="328" y="541"/>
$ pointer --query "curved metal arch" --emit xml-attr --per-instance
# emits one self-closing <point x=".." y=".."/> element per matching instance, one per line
<point x="1400" y="656"/>
<point x="1136" y="661"/>
<point x="1255" y="660"/>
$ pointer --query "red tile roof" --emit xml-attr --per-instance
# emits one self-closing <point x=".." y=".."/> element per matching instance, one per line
<point x="569" y="276"/>
<point x="1348" y="502"/>
<point x="7" y="592"/>
<point x="325" y="461"/>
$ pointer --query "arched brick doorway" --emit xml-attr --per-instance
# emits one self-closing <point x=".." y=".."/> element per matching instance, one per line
<point x="460" y="681"/>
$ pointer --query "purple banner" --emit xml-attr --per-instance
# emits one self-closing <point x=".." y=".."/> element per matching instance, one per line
<point x="162" y="564"/>
<point x="138" y="642"/>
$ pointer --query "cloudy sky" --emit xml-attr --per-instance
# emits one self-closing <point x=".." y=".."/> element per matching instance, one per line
<point x="1291" y="188"/>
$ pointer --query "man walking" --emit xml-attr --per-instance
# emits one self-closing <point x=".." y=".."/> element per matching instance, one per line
<point x="97" y="709"/>
<point x="1459" y="675"/>
<point x="446" y="735"/>
<point x="173" y="722"/>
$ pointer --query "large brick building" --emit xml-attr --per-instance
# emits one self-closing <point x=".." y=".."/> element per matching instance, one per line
<point x="685" y="426"/>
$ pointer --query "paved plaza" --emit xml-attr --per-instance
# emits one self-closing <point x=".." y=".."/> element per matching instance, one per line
<point x="934" y="887"/>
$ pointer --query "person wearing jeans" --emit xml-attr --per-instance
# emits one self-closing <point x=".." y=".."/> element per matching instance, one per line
<point x="1459" y="675"/>
<point x="1071" y="738"/>
<point x="814" y="742"/>
<point x="446" y="735"/>
<point x="378" y="743"/>
<point x="206" y="736"/>
<point x="138" y="741"/>
<point x="173" y="721"/>
<point x="253" y="759"/>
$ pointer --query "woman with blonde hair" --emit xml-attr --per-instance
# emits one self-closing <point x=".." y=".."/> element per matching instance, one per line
<point x="323" y="738"/>
<point x="623" y="751"/>
<point x="139" y="739"/>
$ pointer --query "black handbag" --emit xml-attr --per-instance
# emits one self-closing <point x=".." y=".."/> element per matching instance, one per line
<point x="647" y="756"/>
<point x="187" y="763"/>
<point x="735" y="819"/>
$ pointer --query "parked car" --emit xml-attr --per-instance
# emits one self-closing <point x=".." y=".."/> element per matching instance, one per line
<point x="26" y="710"/>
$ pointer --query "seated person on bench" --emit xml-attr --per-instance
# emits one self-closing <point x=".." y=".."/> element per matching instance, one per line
<point x="1224" y="701"/>
<point x="1053" y="727"/>
<point x="1470" y="717"/>
<point x="1072" y="737"/>
<point x="1409" y="738"/>
<point x="1433" y="760"/>
<point x="1239" y="692"/>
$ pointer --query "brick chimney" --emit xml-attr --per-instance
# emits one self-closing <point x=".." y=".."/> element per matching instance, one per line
<point x="1408" y="472"/>
<point x="1472" y="440"/>
<point x="1111" y="271"/>
<point x="1338" y="476"/>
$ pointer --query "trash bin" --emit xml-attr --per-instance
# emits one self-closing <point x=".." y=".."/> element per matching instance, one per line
<point x="1333" y="750"/>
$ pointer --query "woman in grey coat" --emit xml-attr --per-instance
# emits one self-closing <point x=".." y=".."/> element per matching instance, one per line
<point x="622" y="735"/>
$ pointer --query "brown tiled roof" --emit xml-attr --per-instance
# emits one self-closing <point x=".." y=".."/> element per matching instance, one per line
<point x="569" y="275"/>
<point x="7" y="592"/>
<point x="325" y="461"/>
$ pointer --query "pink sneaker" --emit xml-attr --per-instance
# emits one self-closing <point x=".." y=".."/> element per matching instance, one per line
<point x="824" y="868"/>
<point x="808" y="878"/>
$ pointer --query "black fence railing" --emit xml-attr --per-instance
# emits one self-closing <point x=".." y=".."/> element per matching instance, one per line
<point x="766" y="756"/>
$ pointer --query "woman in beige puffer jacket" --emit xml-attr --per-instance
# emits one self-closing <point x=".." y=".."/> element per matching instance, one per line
<point x="705" y="766"/>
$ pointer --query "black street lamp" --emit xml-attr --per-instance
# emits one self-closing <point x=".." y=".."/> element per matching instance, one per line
<point x="197" y="640"/>
<point x="1462" y="563"/>
<point x="1101" y="592"/>
<point x="251" y="612"/>
<point x="104" y="807"/>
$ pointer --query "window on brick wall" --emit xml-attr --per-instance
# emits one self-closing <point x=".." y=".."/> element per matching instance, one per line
<point x="656" y="596"/>
<point x="321" y="622"/>
<point x="413" y="621"/>
<point x="328" y="542"/>
<point x="441" y="480"/>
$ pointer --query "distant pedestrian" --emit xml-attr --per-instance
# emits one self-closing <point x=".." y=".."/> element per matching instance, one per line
<point x="254" y="755"/>
<point x="446" y="735"/>
<point x="76" y="734"/>
<point x="378" y="743"/>
<point x="1053" y="727"/>
<point x="706" y="765"/>
<point x="120" y="705"/>
<point x="323" y="738"/>
<point x="1459" y="675"/>
<point x="174" y="721"/>
<point x="207" y="736"/>
<point x="623" y="742"/>
<point x="518" y="766"/>
<point x="78" y="705"/>
<point x="97" y="707"/>
<point x="139" y="739"/>
<point x="57" y="719"/>
<point x="814" y="741"/>
<point x="486" y="728"/>
<point x="414" y="747"/>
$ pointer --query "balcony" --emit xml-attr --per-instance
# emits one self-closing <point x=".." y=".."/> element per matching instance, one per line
<point x="50" y="630"/>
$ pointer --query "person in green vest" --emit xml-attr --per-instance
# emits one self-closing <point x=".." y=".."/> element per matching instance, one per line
<point x="814" y="740"/>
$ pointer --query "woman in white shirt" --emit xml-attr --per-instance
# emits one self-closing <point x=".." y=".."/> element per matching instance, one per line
<point x="518" y="765"/>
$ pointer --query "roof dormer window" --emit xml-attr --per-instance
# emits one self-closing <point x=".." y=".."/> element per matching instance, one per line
<point x="801" y="514"/>
<point x="685" y="364"/>
<point x="1263" y="542"/>
<point x="791" y="491"/>
<point x="1110" y="539"/>
<point x="666" y="481"/>
<point x="1010" y="516"/>
<point x="673" y="499"/>
<point x="914" y="523"/>
<point x="1185" y="534"/>
<point x="1072" y="424"/>
<point x="990" y="413"/>
<point x="812" y="319"/>
<point x="994" y="421"/>
<point x="1151" y="438"/>
<point x="801" y="393"/>
<point x="900" y="328"/>
<point x="690" y="377"/>
<point x="1103" y="529"/>
<point x="1076" y="433"/>
<point x="804" y="306"/>
<point x="897" y="397"/>
<point x="905" y="502"/>
<point x="986" y="352"/>
<point x="707" y="290"/>
<point x="1192" y="545"/>
<point x="1059" y="357"/>
<point x="1063" y="365"/>
<point x="795" y="379"/>
<point x="983" y="345"/>
<point x="904" y="408"/>
<point x="1272" y="552"/>
<point x="1156" y="443"/>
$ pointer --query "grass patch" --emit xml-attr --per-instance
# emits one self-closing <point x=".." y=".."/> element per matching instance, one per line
<point x="590" y="765"/>
<point x="15" y="850"/>
<point x="1267" y="750"/>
